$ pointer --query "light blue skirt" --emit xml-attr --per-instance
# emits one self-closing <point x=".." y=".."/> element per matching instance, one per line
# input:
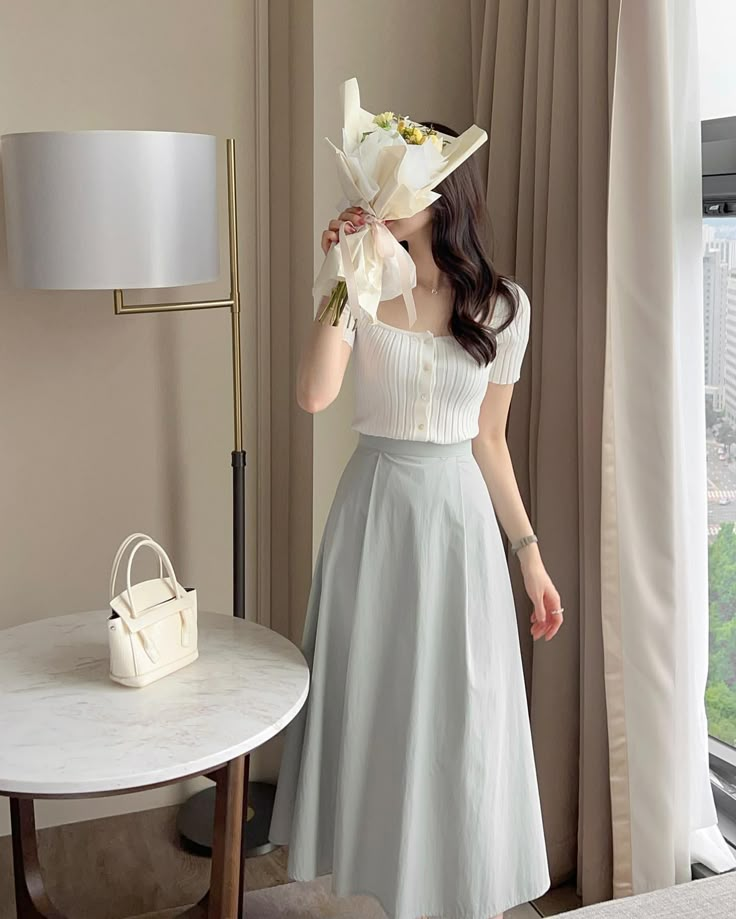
<point x="409" y="773"/>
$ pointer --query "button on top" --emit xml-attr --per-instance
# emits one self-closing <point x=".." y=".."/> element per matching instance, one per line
<point x="426" y="367"/>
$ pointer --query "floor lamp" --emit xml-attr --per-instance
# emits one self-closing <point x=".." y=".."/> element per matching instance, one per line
<point x="115" y="210"/>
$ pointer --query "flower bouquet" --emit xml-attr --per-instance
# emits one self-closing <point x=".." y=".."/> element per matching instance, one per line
<point x="388" y="165"/>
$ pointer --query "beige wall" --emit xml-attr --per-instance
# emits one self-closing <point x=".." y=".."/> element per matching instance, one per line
<point x="412" y="57"/>
<point x="115" y="424"/>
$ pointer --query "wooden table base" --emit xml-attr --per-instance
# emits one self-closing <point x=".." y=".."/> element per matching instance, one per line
<point x="224" y="899"/>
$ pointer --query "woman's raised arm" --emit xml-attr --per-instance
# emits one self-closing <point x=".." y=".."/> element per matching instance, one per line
<point x="326" y="354"/>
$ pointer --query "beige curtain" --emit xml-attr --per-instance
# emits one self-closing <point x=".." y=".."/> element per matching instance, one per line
<point x="654" y="511"/>
<point x="543" y="76"/>
<point x="292" y="202"/>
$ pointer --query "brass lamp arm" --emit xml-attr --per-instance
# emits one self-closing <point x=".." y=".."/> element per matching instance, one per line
<point x="122" y="308"/>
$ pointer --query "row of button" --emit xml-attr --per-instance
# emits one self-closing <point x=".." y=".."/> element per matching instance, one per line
<point x="425" y="383"/>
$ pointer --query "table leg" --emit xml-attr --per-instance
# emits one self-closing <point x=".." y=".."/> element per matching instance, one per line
<point x="225" y="880"/>
<point x="224" y="899"/>
<point x="31" y="899"/>
<point x="243" y="846"/>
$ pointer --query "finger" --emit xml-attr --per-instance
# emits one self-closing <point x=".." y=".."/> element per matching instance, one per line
<point x="554" y="601"/>
<point x="353" y="216"/>
<point x="555" y="622"/>
<point x="553" y="630"/>
<point x="349" y="214"/>
<point x="344" y="220"/>
<point x="539" y="628"/>
<point x="328" y="238"/>
<point x="545" y="603"/>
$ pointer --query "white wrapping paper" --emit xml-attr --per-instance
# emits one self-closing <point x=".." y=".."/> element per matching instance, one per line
<point x="389" y="178"/>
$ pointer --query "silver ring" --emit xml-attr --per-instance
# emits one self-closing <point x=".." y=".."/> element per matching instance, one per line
<point x="553" y="612"/>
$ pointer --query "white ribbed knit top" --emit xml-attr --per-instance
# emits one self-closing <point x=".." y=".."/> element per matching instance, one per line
<point x="421" y="386"/>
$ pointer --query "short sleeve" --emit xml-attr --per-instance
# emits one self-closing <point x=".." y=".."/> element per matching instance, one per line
<point x="512" y="341"/>
<point x="348" y="322"/>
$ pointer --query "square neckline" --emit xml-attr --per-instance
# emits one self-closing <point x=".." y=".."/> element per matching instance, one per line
<point x="395" y="328"/>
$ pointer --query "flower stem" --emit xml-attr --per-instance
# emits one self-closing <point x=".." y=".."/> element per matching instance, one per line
<point x="335" y="305"/>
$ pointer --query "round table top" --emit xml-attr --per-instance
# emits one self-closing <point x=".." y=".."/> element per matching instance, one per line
<point x="68" y="730"/>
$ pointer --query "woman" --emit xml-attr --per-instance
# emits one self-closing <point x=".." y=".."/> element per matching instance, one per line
<point x="409" y="773"/>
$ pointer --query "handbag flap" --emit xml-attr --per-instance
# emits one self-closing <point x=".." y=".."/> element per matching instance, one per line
<point x="154" y="602"/>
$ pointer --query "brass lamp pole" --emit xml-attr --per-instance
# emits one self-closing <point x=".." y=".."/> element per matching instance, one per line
<point x="233" y="304"/>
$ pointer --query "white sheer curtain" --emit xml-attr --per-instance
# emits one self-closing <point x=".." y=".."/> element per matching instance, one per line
<point x="654" y="511"/>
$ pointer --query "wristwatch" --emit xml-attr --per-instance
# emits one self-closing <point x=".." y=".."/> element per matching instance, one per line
<point x="524" y="541"/>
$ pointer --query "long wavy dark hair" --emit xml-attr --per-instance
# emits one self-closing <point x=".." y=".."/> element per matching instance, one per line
<point x="460" y="247"/>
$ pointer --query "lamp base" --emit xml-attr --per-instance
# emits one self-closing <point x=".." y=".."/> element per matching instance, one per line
<point x="196" y="818"/>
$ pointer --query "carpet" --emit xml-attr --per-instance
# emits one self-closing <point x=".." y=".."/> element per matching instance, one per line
<point x="314" y="900"/>
<point x="297" y="900"/>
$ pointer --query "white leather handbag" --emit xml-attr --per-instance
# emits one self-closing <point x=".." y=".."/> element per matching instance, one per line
<point x="153" y="626"/>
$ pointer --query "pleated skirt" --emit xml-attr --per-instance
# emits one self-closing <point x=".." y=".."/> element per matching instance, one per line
<point x="409" y="773"/>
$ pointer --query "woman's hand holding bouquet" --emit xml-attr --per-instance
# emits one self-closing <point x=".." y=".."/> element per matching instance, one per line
<point x="388" y="166"/>
<point x="349" y="219"/>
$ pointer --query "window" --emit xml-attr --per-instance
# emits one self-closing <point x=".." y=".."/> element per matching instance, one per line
<point x="718" y="107"/>
<point x="719" y="303"/>
<point x="716" y="18"/>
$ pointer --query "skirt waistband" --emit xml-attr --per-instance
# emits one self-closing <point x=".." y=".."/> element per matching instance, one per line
<point x="414" y="447"/>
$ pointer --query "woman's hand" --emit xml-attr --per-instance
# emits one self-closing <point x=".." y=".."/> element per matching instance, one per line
<point x="543" y="594"/>
<point x="325" y="356"/>
<point x="331" y="235"/>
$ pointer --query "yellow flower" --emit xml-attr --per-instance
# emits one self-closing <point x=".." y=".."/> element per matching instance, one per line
<point x="384" y="120"/>
<point x="411" y="131"/>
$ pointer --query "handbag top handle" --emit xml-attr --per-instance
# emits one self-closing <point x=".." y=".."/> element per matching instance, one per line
<point x="119" y="557"/>
<point x="176" y="586"/>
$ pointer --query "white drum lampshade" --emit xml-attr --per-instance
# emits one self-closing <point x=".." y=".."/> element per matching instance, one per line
<point x="107" y="210"/>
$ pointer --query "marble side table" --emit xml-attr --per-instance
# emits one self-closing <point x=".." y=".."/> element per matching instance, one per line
<point x="68" y="731"/>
